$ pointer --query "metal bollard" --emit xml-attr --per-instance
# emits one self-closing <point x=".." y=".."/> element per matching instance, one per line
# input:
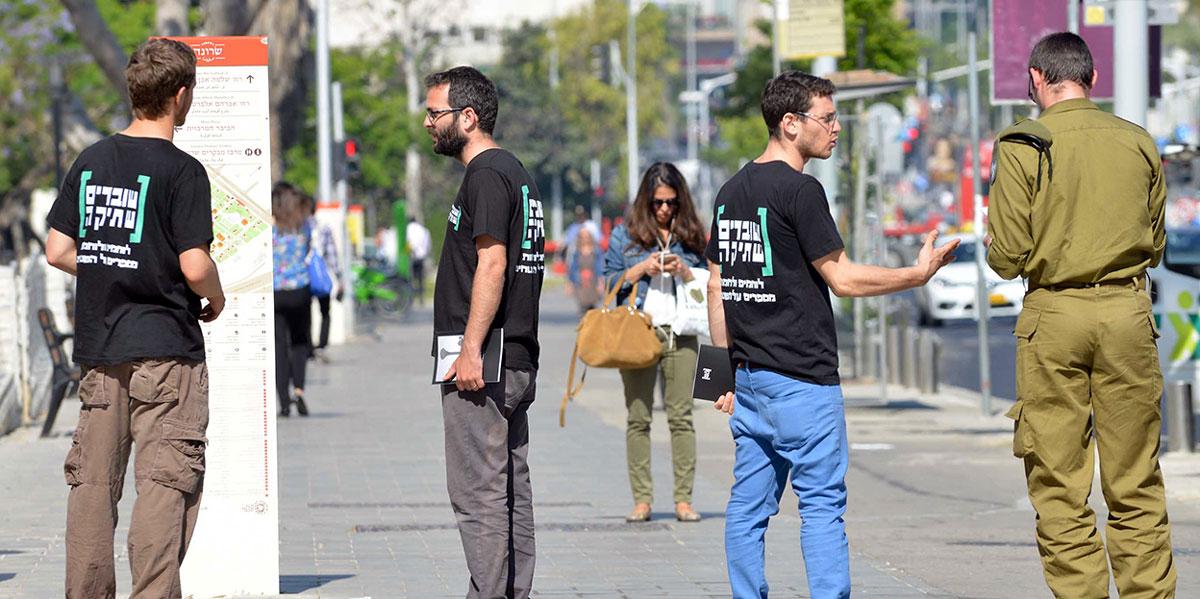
<point x="871" y="355"/>
<point x="1181" y="423"/>
<point x="894" y="345"/>
<point x="911" y="358"/>
<point x="929" y="349"/>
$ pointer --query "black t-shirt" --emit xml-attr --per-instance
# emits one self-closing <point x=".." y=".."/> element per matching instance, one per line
<point x="133" y="204"/>
<point x="497" y="198"/>
<point x="770" y="223"/>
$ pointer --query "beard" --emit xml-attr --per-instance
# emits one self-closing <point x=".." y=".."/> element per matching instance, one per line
<point x="450" y="142"/>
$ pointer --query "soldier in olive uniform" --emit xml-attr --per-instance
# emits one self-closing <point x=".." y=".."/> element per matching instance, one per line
<point x="1077" y="208"/>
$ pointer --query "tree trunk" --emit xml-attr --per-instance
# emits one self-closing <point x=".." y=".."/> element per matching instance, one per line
<point x="226" y="17"/>
<point x="171" y="18"/>
<point x="288" y="24"/>
<point x="100" y="42"/>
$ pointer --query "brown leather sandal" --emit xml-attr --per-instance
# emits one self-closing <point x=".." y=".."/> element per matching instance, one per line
<point x="640" y="513"/>
<point x="687" y="514"/>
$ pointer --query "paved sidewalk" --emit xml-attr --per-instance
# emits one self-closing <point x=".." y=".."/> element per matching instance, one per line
<point x="936" y="505"/>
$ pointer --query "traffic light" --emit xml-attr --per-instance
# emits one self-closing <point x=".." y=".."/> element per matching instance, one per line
<point x="345" y="157"/>
<point x="350" y="156"/>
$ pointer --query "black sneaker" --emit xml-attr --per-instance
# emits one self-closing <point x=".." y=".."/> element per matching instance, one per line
<point x="285" y="411"/>
<point x="301" y="407"/>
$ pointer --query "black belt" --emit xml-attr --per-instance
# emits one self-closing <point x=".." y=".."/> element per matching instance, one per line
<point x="1138" y="283"/>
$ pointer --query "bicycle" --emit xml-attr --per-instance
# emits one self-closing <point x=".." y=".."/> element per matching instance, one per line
<point x="379" y="291"/>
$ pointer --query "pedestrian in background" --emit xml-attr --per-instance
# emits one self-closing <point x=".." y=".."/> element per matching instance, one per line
<point x="775" y="253"/>
<point x="661" y="239"/>
<point x="489" y="277"/>
<point x="585" y="264"/>
<point x="326" y="246"/>
<point x="1077" y="209"/>
<point x="291" y="241"/>
<point x="133" y="223"/>
<point x="419" y="245"/>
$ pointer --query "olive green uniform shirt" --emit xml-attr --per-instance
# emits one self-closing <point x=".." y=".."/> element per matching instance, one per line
<point x="1077" y="197"/>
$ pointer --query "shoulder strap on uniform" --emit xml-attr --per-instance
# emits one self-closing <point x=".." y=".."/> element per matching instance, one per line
<point x="1031" y="133"/>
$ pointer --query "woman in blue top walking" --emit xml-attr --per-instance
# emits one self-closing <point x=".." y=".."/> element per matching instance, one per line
<point x="662" y="239"/>
<point x="293" y="300"/>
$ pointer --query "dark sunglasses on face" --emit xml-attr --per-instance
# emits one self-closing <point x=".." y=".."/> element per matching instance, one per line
<point x="672" y="202"/>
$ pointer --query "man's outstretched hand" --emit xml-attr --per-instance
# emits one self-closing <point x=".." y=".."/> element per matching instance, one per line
<point x="931" y="259"/>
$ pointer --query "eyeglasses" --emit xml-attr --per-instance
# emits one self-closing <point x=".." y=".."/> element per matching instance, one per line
<point x="672" y="202"/>
<point x="434" y="115"/>
<point x="825" y="121"/>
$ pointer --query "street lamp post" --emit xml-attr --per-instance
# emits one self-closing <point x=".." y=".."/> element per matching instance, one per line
<point x="700" y="97"/>
<point x="631" y="111"/>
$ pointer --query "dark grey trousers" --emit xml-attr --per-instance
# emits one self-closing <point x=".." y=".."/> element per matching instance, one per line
<point x="487" y="475"/>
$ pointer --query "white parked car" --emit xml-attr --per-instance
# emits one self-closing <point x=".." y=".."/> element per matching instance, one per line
<point x="951" y="293"/>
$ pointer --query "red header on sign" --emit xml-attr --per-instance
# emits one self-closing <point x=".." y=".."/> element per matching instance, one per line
<point x="238" y="51"/>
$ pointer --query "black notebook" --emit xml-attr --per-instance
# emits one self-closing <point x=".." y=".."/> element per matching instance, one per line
<point x="714" y="373"/>
<point x="446" y="349"/>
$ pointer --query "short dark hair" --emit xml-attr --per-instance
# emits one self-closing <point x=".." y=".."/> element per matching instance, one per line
<point x="470" y="88"/>
<point x="1061" y="57"/>
<point x="791" y="91"/>
<point x="156" y="71"/>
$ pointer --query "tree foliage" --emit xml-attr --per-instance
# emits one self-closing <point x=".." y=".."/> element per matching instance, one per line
<point x="889" y="45"/>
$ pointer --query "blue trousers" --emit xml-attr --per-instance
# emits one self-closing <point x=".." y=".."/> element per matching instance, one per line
<point x="785" y="429"/>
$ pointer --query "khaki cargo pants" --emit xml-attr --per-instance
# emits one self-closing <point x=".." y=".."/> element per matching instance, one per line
<point x="1088" y="377"/>
<point x="161" y="407"/>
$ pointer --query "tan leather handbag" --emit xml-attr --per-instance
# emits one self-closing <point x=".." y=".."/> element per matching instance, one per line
<point x="617" y="337"/>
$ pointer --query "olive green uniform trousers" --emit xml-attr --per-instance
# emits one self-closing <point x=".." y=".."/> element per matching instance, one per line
<point x="1088" y="378"/>
<point x="678" y="365"/>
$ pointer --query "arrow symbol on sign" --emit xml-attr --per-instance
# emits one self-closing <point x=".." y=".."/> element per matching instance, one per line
<point x="249" y="78"/>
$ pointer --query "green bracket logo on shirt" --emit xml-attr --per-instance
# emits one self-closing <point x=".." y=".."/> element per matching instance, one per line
<point x="533" y="220"/>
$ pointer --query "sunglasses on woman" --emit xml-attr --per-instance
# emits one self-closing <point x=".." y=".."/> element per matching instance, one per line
<point x="672" y="202"/>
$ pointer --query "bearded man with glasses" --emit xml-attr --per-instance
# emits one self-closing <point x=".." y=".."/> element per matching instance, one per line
<point x="489" y="278"/>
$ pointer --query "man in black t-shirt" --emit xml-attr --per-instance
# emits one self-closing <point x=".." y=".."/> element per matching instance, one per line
<point x="774" y="255"/>
<point x="133" y="223"/>
<point x="489" y="279"/>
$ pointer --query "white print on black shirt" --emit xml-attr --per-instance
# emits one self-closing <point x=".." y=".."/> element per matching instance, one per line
<point x="745" y="290"/>
<point x="455" y="216"/>
<point x="745" y="241"/>
<point x="98" y="252"/>
<point x="105" y="207"/>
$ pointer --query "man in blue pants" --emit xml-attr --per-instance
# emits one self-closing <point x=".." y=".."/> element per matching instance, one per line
<point x="775" y="253"/>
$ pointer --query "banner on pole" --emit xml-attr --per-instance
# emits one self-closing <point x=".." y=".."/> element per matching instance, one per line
<point x="1017" y="25"/>
<point x="811" y="28"/>
<point x="235" y="549"/>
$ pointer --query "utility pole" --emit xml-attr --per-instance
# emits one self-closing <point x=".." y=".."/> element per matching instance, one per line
<point x="1131" y="81"/>
<point x="556" y="197"/>
<point x="324" y="139"/>
<point x="859" y="236"/>
<point x="412" y="156"/>
<point x="344" y="321"/>
<point x="631" y="111"/>
<point x="692" y="137"/>
<point x="781" y="15"/>
<point x="982" y="300"/>
<point x="826" y="171"/>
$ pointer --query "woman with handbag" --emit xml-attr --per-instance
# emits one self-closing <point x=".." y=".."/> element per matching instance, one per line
<point x="292" y="240"/>
<point x="649" y="255"/>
